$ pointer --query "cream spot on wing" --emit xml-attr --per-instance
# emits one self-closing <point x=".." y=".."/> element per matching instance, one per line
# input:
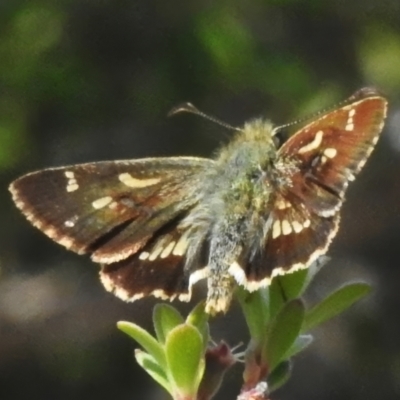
<point x="66" y="242"/>
<point x="306" y="223"/>
<point x="72" y="186"/>
<point x="160" y="294"/>
<point x="362" y="163"/>
<point x="181" y="245"/>
<point x="51" y="233"/>
<point x="69" y="174"/>
<point x="282" y="204"/>
<point x="286" y="227"/>
<point x="184" y="296"/>
<point x="72" y="183"/>
<point x="144" y="255"/>
<point x="156" y="252"/>
<point x="314" y="144"/>
<point x="129" y="180"/>
<point x="107" y="282"/>
<point x="70" y="223"/>
<point x="350" y="176"/>
<point x="330" y="152"/>
<point x="297" y="226"/>
<point x="167" y="250"/>
<point x="102" y="202"/>
<point x="324" y="159"/>
<point x="113" y="205"/>
<point x="375" y="140"/>
<point x="276" y="229"/>
<point x="350" y="122"/>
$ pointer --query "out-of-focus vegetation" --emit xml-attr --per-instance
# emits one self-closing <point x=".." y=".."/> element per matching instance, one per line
<point x="89" y="80"/>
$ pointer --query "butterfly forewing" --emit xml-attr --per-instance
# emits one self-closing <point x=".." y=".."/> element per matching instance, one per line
<point x="109" y="209"/>
<point x="331" y="150"/>
<point x="316" y="164"/>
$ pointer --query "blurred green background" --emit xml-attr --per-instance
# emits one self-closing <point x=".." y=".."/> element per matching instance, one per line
<point x="85" y="80"/>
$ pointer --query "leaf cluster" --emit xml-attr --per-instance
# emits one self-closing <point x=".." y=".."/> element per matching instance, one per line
<point x="182" y="358"/>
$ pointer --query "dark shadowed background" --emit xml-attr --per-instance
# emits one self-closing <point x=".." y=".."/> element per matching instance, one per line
<point x="93" y="80"/>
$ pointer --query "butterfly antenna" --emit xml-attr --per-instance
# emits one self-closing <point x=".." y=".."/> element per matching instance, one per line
<point x="280" y="128"/>
<point x="190" y="108"/>
<point x="360" y="94"/>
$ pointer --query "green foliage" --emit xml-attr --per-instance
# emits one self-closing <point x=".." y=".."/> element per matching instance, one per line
<point x="165" y="319"/>
<point x="374" y="59"/>
<point x="279" y="376"/>
<point x="335" y="303"/>
<point x="183" y="361"/>
<point x="147" y="341"/>
<point x="153" y="368"/>
<point x="282" y="333"/>
<point x="177" y="358"/>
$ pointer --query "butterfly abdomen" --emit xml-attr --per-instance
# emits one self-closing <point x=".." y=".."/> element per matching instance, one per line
<point x="237" y="206"/>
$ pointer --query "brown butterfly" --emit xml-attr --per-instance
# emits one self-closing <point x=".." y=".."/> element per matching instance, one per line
<point x="159" y="225"/>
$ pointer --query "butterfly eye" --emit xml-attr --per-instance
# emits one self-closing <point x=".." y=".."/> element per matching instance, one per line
<point x="279" y="138"/>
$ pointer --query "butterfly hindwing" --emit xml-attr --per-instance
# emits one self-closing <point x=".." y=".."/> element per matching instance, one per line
<point x="158" y="269"/>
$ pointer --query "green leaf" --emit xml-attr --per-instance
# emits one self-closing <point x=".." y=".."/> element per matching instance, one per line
<point x="165" y="318"/>
<point x="334" y="304"/>
<point x="148" y="342"/>
<point x="283" y="332"/>
<point x="255" y="306"/>
<point x="199" y="318"/>
<point x="291" y="286"/>
<point x="294" y="285"/>
<point x="313" y="270"/>
<point x="279" y="376"/>
<point x="277" y="297"/>
<point x="150" y="365"/>
<point x="301" y="342"/>
<point x="185" y="359"/>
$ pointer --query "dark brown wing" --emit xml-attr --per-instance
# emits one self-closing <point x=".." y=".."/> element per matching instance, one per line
<point x="330" y="151"/>
<point x="108" y="209"/>
<point x="313" y="170"/>
<point x="158" y="269"/>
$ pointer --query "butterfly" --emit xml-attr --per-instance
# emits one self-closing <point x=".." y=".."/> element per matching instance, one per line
<point x="257" y="210"/>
